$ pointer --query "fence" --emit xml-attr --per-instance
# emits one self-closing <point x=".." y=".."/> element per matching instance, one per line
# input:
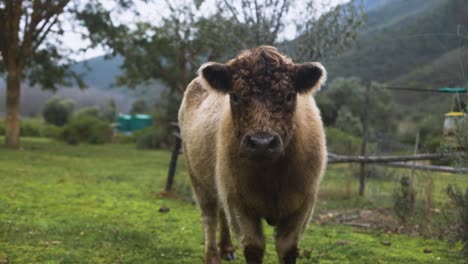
<point x="392" y="161"/>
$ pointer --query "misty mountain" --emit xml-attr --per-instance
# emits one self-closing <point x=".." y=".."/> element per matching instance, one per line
<point x="408" y="42"/>
<point x="99" y="74"/>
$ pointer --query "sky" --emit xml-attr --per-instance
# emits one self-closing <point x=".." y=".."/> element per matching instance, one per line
<point x="148" y="12"/>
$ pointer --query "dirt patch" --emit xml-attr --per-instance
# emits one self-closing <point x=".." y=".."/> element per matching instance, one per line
<point x="382" y="220"/>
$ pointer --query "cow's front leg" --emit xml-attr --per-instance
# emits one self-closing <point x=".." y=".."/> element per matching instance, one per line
<point x="248" y="228"/>
<point x="226" y="247"/>
<point x="289" y="232"/>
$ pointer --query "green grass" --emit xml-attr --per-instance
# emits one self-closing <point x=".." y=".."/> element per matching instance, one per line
<point x="99" y="204"/>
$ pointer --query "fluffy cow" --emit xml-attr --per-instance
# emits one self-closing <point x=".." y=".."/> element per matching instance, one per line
<point x="255" y="149"/>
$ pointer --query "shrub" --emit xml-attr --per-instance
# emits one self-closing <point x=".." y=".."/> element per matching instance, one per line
<point x="404" y="199"/>
<point x="51" y="131"/>
<point x="2" y="127"/>
<point x="348" y="123"/>
<point x="57" y="111"/>
<point x="139" y="107"/>
<point x="342" y="143"/>
<point x="31" y="128"/>
<point x="458" y="229"/>
<point x="87" y="129"/>
<point x="125" y="139"/>
<point x="152" y="138"/>
<point x="92" y="111"/>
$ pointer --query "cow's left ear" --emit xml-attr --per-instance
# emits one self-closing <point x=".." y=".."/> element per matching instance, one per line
<point x="217" y="75"/>
<point x="309" y="77"/>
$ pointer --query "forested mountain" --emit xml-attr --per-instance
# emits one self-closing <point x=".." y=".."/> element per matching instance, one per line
<point x="409" y="42"/>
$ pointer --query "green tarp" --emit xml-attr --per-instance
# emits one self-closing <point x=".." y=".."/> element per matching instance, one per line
<point x="130" y="123"/>
<point x="452" y="90"/>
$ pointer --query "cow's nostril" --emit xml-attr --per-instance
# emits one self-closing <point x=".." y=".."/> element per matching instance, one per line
<point x="249" y="142"/>
<point x="274" y="142"/>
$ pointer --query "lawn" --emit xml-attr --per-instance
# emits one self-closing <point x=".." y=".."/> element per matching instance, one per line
<point x="100" y="204"/>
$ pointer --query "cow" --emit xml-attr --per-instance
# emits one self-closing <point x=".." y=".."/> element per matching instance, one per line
<point x="254" y="146"/>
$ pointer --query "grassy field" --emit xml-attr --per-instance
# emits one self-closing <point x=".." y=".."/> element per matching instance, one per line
<point x="99" y="204"/>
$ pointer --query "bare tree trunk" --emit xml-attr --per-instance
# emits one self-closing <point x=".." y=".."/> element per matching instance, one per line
<point x="12" y="120"/>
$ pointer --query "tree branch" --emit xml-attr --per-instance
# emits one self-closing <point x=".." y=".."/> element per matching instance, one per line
<point x="36" y="34"/>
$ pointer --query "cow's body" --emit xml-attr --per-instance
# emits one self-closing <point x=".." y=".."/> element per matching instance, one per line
<point x="281" y="188"/>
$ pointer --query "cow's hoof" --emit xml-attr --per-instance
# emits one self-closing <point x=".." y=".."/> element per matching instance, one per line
<point x="229" y="256"/>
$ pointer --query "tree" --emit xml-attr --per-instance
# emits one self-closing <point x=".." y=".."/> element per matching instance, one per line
<point x="173" y="49"/>
<point x="111" y="111"/>
<point x="318" y="33"/>
<point x="58" y="112"/>
<point x="24" y="28"/>
<point x="30" y="48"/>
<point x="345" y="96"/>
<point x="139" y="107"/>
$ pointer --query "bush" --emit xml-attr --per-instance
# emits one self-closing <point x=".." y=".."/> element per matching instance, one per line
<point x="139" y="107"/>
<point x="87" y="129"/>
<point x="92" y="111"/>
<point x="404" y="199"/>
<point x="152" y="138"/>
<point x="125" y="139"/>
<point x="348" y="123"/>
<point x="342" y="143"/>
<point x="58" y="112"/>
<point x="51" y="131"/>
<point x="31" y="128"/>
<point x="2" y="127"/>
<point x="458" y="229"/>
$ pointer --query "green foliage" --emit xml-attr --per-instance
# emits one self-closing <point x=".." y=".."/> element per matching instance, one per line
<point x="152" y="138"/>
<point x="34" y="127"/>
<point x="2" y="127"/>
<point x="91" y="111"/>
<point x="111" y="111"/>
<point x="86" y="129"/>
<point x="58" y="112"/>
<point x="459" y="226"/>
<point x="139" y="107"/>
<point x="51" y="131"/>
<point x="404" y="199"/>
<point x="31" y="127"/>
<point x="348" y="123"/>
<point x="342" y="143"/>
<point x="414" y="33"/>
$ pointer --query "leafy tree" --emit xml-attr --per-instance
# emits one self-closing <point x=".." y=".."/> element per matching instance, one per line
<point x="92" y="111"/>
<point x="139" y="107"/>
<point x="317" y="35"/>
<point x="30" y="48"/>
<point x="111" y="111"/>
<point x="349" y="93"/>
<point x="187" y="36"/>
<point x="58" y="112"/>
<point x="348" y="123"/>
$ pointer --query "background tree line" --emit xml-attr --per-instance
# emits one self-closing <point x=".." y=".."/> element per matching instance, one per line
<point x="171" y="49"/>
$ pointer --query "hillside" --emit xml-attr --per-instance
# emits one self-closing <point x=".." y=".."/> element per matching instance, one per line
<point x="403" y="39"/>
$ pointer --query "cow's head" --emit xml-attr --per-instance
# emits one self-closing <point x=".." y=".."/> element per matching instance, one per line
<point x="263" y="85"/>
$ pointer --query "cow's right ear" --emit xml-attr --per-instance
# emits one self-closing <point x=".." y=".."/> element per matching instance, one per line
<point x="217" y="75"/>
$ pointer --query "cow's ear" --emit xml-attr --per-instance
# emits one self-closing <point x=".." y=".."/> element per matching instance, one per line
<point x="217" y="75"/>
<point x="309" y="77"/>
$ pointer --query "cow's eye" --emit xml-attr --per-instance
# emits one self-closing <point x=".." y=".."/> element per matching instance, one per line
<point x="234" y="98"/>
<point x="290" y="97"/>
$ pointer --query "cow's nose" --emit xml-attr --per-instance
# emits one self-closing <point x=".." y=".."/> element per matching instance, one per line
<point x="262" y="145"/>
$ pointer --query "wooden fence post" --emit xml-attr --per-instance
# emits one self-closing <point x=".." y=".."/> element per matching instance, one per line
<point x="365" y="132"/>
<point x="174" y="156"/>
